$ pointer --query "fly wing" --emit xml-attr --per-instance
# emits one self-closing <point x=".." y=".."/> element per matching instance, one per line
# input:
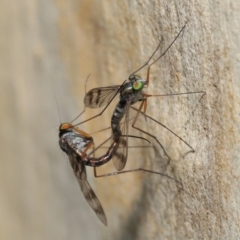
<point x="99" y="97"/>
<point x="79" y="170"/>
<point x="121" y="153"/>
<point x="92" y="200"/>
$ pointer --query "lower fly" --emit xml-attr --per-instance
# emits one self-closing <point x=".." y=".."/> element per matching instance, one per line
<point x="76" y="144"/>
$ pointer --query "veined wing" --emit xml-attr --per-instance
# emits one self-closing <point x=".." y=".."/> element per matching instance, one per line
<point x="92" y="200"/>
<point x="99" y="97"/>
<point x="121" y="153"/>
<point x="79" y="170"/>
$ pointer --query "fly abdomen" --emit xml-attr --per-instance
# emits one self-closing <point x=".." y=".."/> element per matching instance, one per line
<point x="96" y="162"/>
<point x="118" y="114"/>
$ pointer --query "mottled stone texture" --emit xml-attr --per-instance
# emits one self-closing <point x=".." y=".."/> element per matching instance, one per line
<point x="48" y="48"/>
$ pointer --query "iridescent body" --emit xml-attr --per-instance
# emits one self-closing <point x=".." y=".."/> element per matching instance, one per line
<point x="130" y="93"/>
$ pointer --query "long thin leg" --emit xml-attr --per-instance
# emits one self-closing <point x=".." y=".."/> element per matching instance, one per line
<point x="164" y="127"/>
<point x="97" y="114"/>
<point x="84" y="105"/>
<point x="133" y="125"/>
<point x="147" y="116"/>
<point x="108" y="127"/>
<point x="196" y="107"/>
<point x="174" y="94"/>
<point x="100" y="146"/>
<point x="86" y="135"/>
<point x="138" y="146"/>
<point x="133" y="170"/>
<point x="144" y="104"/>
<point x="90" y="145"/>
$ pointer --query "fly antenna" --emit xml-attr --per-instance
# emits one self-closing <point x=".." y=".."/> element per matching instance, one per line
<point x="146" y="63"/>
<point x="84" y="104"/>
<point x="55" y="97"/>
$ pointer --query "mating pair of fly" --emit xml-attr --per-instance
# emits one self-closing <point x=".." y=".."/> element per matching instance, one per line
<point x="77" y="143"/>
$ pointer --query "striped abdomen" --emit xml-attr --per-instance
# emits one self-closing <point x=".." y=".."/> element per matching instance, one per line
<point x="118" y="115"/>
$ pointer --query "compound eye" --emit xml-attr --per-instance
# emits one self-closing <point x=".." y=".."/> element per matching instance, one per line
<point x="138" y="86"/>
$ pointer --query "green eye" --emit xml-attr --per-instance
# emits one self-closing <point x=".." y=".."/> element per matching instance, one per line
<point x="138" y="86"/>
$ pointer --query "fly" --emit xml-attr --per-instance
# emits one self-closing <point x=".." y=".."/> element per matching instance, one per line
<point x="75" y="143"/>
<point x="131" y="91"/>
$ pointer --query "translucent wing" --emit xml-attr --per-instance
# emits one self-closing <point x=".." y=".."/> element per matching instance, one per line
<point x="121" y="153"/>
<point x="99" y="97"/>
<point x="79" y="170"/>
<point x="92" y="200"/>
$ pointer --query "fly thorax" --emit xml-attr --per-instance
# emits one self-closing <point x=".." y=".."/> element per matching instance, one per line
<point x="79" y="143"/>
<point x="138" y="96"/>
<point x="74" y="141"/>
<point x="126" y="92"/>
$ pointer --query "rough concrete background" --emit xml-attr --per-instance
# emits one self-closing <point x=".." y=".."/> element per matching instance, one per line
<point x="51" y="46"/>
